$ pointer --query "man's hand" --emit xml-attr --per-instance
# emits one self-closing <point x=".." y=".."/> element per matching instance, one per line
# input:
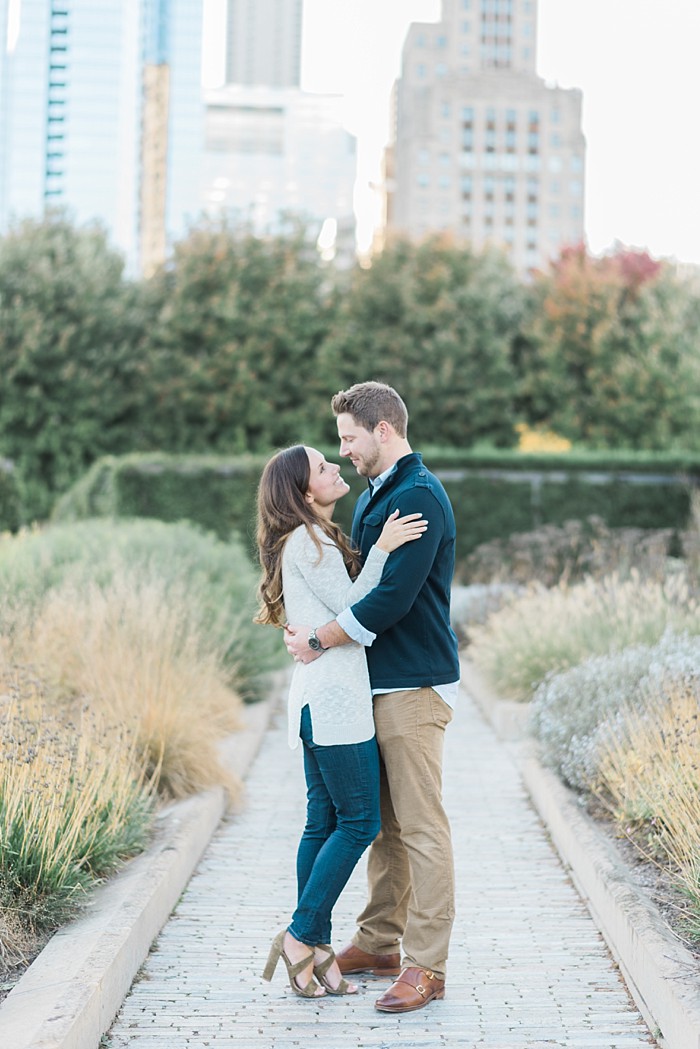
<point x="296" y="638"/>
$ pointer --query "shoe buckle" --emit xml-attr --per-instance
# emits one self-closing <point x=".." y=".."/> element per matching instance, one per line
<point x="419" y="986"/>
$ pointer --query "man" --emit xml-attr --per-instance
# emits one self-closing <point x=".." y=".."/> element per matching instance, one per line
<point x="414" y="671"/>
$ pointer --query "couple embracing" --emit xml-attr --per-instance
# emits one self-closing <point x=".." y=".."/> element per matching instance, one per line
<point x="376" y="677"/>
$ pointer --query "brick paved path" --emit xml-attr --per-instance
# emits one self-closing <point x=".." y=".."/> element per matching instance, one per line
<point x="528" y="969"/>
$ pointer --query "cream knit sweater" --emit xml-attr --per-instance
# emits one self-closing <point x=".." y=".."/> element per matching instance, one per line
<point x="336" y="685"/>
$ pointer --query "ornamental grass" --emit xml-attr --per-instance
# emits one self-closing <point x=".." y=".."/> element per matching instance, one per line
<point x="75" y="800"/>
<point x="648" y="777"/>
<point x="544" y="631"/>
<point x="122" y="646"/>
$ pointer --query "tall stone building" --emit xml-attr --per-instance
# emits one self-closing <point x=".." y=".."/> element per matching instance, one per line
<point x="482" y="146"/>
<point x="263" y="43"/>
<point x="273" y="151"/>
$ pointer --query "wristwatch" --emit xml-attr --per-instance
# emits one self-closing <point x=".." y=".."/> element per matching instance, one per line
<point x="315" y="643"/>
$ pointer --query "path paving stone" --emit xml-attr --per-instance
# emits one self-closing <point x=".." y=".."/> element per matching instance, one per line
<point x="528" y="969"/>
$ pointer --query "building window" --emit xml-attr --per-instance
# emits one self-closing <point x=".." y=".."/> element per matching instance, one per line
<point x="576" y="163"/>
<point x="446" y="109"/>
<point x="423" y="180"/>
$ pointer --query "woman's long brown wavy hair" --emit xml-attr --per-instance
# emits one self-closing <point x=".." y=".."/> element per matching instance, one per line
<point x="282" y="507"/>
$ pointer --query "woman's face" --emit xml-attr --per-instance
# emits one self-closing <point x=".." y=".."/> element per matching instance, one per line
<point x="326" y="486"/>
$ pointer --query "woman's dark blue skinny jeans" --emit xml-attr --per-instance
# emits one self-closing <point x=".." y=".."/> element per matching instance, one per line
<point x="342" y="820"/>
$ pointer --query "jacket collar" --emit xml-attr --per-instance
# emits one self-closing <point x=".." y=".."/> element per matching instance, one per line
<point x="396" y="472"/>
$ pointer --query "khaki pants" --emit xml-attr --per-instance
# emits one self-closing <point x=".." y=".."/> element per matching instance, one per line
<point x="410" y="868"/>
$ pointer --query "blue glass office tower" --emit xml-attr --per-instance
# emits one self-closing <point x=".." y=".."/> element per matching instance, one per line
<point x="74" y="93"/>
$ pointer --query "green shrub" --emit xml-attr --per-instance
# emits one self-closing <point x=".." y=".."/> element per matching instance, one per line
<point x="10" y="500"/>
<point x="494" y="493"/>
<point x="570" y="552"/>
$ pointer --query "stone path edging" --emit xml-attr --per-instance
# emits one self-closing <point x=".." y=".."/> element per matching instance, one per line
<point x="70" y="994"/>
<point x="661" y="974"/>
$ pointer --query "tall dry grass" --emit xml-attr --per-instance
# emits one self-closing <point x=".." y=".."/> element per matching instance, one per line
<point x="134" y="650"/>
<point x="75" y="801"/>
<point x="122" y="645"/>
<point x="545" y="631"/>
<point x="648" y="776"/>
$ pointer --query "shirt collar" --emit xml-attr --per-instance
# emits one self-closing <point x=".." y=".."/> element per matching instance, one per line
<point x="377" y="482"/>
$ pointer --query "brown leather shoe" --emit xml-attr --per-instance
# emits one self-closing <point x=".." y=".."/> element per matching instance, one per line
<point x="352" y="960"/>
<point x="414" y="988"/>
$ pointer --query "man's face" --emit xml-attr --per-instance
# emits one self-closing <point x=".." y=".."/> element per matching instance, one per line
<point x="362" y="447"/>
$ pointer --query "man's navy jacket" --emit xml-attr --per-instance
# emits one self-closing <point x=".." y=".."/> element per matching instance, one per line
<point x="410" y="608"/>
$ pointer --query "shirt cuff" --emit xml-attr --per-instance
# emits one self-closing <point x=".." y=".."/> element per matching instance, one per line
<point x="354" y="629"/>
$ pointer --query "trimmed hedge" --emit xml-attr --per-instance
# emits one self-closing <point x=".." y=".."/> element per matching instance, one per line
<point x="10" y="499"/>
<point x="493" y="493"/>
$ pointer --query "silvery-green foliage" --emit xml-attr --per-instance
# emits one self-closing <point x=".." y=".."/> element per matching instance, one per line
<point x="574" y="710"/>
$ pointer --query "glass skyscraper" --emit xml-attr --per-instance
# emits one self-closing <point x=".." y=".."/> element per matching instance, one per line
<point x="76" y="110"/>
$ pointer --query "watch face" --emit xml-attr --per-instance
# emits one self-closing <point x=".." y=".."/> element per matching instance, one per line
<point x="314" y="643"/>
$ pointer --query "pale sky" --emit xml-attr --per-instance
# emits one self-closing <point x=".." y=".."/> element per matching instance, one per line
<point x="636" y="62"/>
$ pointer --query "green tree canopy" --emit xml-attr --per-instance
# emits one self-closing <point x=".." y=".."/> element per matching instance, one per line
<point x="437" y="322"/>
<point x="70" y="354"/>
<point x="610" y="354"/>
<point x="233" y="355"/>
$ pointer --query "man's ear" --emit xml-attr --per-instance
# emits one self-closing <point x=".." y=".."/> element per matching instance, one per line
<point x="385" y="430"/>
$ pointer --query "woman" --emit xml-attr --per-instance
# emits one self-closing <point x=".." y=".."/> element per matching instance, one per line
<point x="307" y="567"/>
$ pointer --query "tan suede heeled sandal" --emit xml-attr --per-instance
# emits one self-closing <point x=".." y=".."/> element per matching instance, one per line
<point x="293" y="968"/>
<point x="322" y="968"/>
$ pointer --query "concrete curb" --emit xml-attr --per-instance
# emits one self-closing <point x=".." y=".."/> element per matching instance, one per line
<point x="662" y="976"/>
<point x="71" y="993"/>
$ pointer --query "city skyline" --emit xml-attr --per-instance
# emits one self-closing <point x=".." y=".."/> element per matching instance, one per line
<point x="634" y="62"/>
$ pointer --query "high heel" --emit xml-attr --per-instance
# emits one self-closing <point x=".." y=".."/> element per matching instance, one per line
<point x="322" y="968"/>
<point x="293" y="968"/>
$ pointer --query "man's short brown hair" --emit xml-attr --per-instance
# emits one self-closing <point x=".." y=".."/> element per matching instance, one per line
<point x="370" y="403"/>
